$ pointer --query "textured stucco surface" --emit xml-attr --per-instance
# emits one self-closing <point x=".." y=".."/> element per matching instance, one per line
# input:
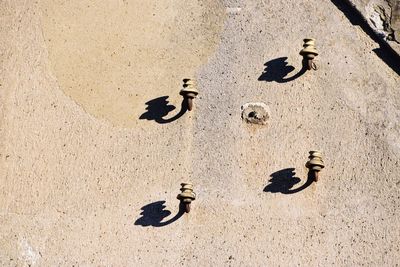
<point x="73" y="183"/>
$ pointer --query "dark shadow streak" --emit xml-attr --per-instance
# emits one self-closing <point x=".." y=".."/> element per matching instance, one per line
<point x="154" y="213"/>
<point x="283" y="181"/>
<point x="158" y="108"/>
<point x="277" y="69"/>
<point x="384" y="52"/>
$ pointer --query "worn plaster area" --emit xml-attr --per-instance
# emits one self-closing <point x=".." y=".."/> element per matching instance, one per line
<point x="109" y="55"/>
<point x="83" y="186"/>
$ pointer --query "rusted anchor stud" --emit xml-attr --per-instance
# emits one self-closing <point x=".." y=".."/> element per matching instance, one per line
<point x="309" y="52"/>
<point x="315" y="164"/>
<point x="189" y="92"/>
<point x="187" y="195"/>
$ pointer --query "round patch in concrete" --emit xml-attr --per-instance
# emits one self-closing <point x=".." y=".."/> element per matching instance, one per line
<point x="255" y="113"/>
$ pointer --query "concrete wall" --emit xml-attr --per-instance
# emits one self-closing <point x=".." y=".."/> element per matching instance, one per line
<point x="89" y="175"/>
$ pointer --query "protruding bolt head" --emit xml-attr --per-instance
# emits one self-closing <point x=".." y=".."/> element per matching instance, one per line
<point x="189" y="89"/>
<point x="315" y="164"/>
<point x="309" y="51"/>
<point x="187" y="195"/>
<point x="189" y="92"/>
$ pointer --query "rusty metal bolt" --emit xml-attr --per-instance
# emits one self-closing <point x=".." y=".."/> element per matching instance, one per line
<point x="309" y="52"/>
<point x="315" y="163"/>
<point x="189" y="92"/>
<point x="187" y="195"/>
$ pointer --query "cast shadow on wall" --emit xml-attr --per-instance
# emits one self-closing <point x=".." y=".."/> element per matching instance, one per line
<point x="157" y="109"/>
<point x="284" y="182"/>
<point x="154" y="213"/>
<point x="277" y="70"/>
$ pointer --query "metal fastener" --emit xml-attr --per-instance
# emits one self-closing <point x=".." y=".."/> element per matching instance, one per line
<point x="315" y="163"/>
<point x="187" y="195"/>
<point x="309" y="52"/>
<point x="189" y="92"/>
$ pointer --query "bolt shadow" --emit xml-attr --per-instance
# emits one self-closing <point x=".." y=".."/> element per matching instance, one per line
<point x="384" y="52"/>
<point x="159" y="107"/>
<point x="277" y="69"/>
<point x="154" y="213"/>
<point x="284" y="180"/>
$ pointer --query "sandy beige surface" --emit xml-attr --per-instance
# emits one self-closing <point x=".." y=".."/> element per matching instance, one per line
<point x="78" y="164"/>
<point x="111" y="56"/>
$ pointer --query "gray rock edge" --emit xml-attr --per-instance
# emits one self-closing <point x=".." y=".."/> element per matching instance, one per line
<point x="358" y="8"/>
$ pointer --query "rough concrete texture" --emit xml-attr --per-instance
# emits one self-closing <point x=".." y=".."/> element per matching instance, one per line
<point x="89" y="177"/>
<point x="384" y="18"/>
